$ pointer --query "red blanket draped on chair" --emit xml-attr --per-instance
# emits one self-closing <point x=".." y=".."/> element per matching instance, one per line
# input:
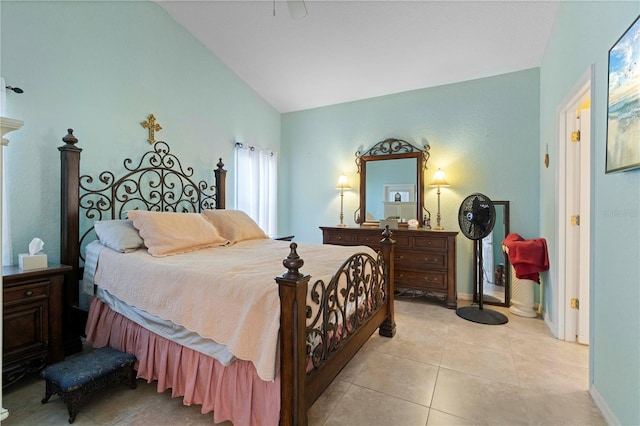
<point x="528" y="257"/>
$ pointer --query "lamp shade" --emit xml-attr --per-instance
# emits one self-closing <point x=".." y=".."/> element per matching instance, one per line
<point x="439" y="179"/>
<point x="343" y="183"/>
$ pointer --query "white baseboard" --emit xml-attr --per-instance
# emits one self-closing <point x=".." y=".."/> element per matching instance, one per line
<point x="465" y="296"/>
<point x="608" y="415"/>
<point x="4" y="414"/>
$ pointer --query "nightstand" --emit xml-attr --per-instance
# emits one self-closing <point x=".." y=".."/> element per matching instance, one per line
<point x="31" y="320"/>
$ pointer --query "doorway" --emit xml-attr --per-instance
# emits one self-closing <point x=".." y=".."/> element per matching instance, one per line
<point x="574" y="218"/>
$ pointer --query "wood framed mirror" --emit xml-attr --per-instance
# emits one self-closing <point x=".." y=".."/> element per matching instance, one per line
<point x="496" y="268"/>
<point x="391" y="182"/>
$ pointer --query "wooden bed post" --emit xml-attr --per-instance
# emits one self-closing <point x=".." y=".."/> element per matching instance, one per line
<point x="388" y="327"/>
<point x="221" y="185"/>
<point x="293" y="357"/>
<point x="70" y="238"/>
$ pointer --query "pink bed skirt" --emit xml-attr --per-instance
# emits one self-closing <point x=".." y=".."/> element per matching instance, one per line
<point x="233" y="393"/>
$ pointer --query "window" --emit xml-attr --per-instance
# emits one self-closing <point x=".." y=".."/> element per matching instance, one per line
<point x="256" y="185"/>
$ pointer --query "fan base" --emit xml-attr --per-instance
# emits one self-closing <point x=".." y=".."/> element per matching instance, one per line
<point x="482" y="316"/>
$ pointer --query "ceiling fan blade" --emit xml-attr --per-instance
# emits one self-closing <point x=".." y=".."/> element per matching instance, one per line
<point x="297" y="8"/>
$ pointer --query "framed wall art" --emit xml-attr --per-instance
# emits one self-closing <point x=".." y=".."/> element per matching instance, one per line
<point x="623" y="102"/>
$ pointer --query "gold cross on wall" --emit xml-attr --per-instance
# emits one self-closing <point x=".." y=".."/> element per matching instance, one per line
<point x="152" y="126"/>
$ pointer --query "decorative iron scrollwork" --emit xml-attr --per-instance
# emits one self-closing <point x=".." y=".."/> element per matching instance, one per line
<point x="354" y="294"/>
<point x="393" y="146"/>
<point x="158" y="182"/>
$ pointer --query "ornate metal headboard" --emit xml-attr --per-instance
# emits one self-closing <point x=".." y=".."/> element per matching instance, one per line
<point x="158" y="182"/>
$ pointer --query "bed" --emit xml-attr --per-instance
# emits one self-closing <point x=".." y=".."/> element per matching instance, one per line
<point x="320" y="321"/>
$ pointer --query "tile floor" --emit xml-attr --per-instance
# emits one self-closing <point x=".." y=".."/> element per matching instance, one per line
<point x="439" y="369"/>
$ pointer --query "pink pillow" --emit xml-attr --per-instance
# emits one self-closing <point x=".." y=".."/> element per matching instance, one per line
<point x="166" y="233"/>
<point x="234" y="225"/>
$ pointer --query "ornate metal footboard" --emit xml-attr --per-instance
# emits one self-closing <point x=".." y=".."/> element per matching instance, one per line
<point x="352" y="296"/>
<point x="345" y="312"/>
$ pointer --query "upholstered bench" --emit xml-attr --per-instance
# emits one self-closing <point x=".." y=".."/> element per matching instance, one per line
<point x="78" y="378"/>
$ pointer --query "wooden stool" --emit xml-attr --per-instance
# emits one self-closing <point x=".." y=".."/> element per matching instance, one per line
<point x="78" y="378"/>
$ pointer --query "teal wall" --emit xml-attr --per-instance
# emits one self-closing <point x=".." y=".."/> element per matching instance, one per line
<point x="101" y="68"/>
<point x="582" y="36"/>
<point x="483" y="134"/>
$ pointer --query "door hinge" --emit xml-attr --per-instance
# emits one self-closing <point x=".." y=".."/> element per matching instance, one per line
<point x="575" y="136"/>
<point x="575" y="303"/>
<point x="575" y="220"/>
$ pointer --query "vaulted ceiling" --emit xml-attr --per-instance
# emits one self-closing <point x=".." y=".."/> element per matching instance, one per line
<point x="356" y="49"/>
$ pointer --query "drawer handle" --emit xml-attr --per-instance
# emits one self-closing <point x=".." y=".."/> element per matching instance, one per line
<point x="339" y="238"/>
<point x="400" y="258"/>
<point x="401" y="276"/>
<point x="367" y="239"/>
<point x="431" y="280"/>
<point x="28" y="293"/>
<point x="431" y="259"/>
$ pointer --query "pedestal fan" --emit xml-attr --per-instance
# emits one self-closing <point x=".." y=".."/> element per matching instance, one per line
<point x="476" y="218"/>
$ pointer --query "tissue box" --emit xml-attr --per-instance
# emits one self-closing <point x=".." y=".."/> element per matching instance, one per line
<point x="32" y="261"/>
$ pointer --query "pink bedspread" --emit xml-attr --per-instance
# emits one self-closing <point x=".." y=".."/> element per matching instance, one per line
<point x="233" y="393"/>
<point x="226" y="294"/>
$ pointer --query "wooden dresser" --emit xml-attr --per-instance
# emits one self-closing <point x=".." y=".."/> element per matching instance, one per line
<point x="425" y="260"/>
<point x="31" y="320"/>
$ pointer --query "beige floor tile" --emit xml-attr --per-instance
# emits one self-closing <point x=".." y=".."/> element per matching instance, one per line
<point x="416" y="345"/>
<point x="547" y="349"/>
<point x="364" y="407"/>
<point x="479" y="361"/>
<point x="572" y="408"/>
<point x="551" y="376"/>
<point x="489" y="336"/>
<point x="438" y="418"/>
<point x="327" y="402"/>
<point x="478" y="399"/>
<point x="519" y="325"/>
<point x="399" y="377"/>
<point x="439" y="369"/>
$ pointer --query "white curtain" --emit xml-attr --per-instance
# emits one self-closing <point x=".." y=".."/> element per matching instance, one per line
<point x="256" y="185"/>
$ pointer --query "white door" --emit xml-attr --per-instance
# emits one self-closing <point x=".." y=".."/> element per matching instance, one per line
<point x="585" y="223"/>
<point x="577" y="218"/>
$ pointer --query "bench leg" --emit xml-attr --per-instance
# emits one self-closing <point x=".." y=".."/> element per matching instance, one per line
<point x="74" y="400"/>
<point x="132" y="377"/>
<point x="50" y="389"/>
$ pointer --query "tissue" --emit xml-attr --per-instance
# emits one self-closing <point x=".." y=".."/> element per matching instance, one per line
<point x="34" y="259"/>
<point x="35" y="246"/>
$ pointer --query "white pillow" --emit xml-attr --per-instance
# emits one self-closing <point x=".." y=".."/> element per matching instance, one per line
<point x="119" y="235"/>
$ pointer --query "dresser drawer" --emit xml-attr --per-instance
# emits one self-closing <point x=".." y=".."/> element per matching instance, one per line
<point x="25" y="293"/>
<point x="423" y="260"/>
<point x="369" y="239"/>
<point x="420" y="260"/>
<point x="341" y="238"/>
<point x="429" y="243"/>
<point x="421" y="280"/>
